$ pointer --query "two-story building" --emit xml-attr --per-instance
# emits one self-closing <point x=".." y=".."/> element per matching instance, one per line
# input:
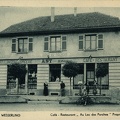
<point x="44" y="44"/>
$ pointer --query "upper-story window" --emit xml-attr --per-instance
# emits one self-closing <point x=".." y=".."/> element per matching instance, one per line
<point x="22" y="45"/>
<point x="55" y="43"/>
<point x="91" y="42"/>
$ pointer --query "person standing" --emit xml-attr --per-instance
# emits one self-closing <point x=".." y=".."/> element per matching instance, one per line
<point x="80" y="87"/>
<point x="45" y="91"/>
<point x="62" y="86"/>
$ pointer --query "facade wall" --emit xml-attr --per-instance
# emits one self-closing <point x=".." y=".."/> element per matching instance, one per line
<point x="111" y="48"/>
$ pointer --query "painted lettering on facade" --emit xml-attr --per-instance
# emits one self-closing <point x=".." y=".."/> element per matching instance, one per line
<point x="106" y="59"/>
<point x="47" y="60"/>
<point x="14" y="61"/>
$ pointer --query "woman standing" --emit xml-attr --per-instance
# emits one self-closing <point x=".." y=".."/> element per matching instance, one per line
<point x="45" y="92"/>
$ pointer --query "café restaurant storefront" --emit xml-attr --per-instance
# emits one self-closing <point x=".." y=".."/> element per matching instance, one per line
<point x="42" y="70"/>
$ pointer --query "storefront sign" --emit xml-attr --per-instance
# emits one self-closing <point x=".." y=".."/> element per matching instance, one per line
<point x="14" y="61"/>
<point x="105" y="59"/>
<point x="60" y="60"/>
<point x="47" y="60"/>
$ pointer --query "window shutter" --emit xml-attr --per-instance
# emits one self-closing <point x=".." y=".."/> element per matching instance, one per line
<point x="100" y="41"/>
<point x="64" y="43"/>
<point x="81" y="37"/>
<point x="46" y="44"/>
<point x="14" y="45"/>
<point x="30" y="48"/>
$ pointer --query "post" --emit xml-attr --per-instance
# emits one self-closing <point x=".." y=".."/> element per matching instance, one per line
<point x="26" y="80"/>
<point x="84" y="73"/>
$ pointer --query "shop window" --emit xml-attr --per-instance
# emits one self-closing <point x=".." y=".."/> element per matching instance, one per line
<point x="104" y="80"/>
<point x="55" y="72"/>
<point x="22" y="45"/>
<point x="32" y="76"/>
<point x="55" y="43"/>
<point x="79" y="77"/>
<point x="11" y="80"/>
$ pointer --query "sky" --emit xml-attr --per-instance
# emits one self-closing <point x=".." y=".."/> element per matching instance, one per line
<point x="12" y="15"/>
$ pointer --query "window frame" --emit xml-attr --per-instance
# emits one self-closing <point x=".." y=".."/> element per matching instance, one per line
<point x="61" y="43"/>
<point x="96" y="44"/>
<point x="50" y="73"/>
<point x="90" y="35"/>
<point x="23" y="44"/>
<point x="55" y="37"/>
<point x="17" y="45"/>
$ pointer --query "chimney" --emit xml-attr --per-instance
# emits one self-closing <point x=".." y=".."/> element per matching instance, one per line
<point x="75" y="11"/>
<point x="52" y="14"/>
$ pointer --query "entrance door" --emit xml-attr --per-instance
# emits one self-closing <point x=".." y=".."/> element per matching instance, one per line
<point x="90" y="75"/>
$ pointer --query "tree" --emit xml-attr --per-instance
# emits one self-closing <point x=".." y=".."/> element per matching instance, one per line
<point x="18" y="71"/>
<point x="70" y="69"/>
<point x="101" y="71"/>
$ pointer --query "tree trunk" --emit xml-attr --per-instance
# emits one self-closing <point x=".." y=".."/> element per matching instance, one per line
<point x="70" y="85"/>
<point x="100" y="85"/>
<point x="17" y="85"/>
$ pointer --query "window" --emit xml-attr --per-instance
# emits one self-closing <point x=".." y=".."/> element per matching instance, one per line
<point x="100" y="41"/>
<point x="32" y="76"/>
<point x="22" y="45"/>
<point x="55" y="72"/>
<point x="55" y="43"/>
<point x="90" y="42"/>
<point x="81" y="42"/>
<point x="79" y="77"/>
<point x="13" y="45"/>
<point x="104" y="81"/>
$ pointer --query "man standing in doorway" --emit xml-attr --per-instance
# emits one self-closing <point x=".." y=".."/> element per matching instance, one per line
<point x="62" y="86"/>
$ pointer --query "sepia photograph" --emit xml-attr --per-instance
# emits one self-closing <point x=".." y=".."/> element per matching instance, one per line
<point x="59" y="62"/>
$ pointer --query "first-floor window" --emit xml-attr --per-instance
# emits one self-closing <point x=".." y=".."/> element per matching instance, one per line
<point x="12" y="81"/>
<point x="55" y="72"/>
<point x="79" y="77"/>
<point x="32" y="76"/>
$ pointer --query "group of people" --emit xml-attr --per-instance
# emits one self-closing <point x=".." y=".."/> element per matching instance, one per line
<point x="62" y="88"/>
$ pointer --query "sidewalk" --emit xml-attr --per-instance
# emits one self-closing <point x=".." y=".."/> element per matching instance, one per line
<point x="42" y="98"/>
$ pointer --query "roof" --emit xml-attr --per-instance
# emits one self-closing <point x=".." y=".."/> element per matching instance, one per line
<point x="64" y="23"/>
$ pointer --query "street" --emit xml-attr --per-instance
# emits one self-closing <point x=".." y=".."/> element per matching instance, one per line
<point x="55" y="106"/>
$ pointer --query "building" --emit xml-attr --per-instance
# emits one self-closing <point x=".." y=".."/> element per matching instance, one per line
<point x="44" y="44"/>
